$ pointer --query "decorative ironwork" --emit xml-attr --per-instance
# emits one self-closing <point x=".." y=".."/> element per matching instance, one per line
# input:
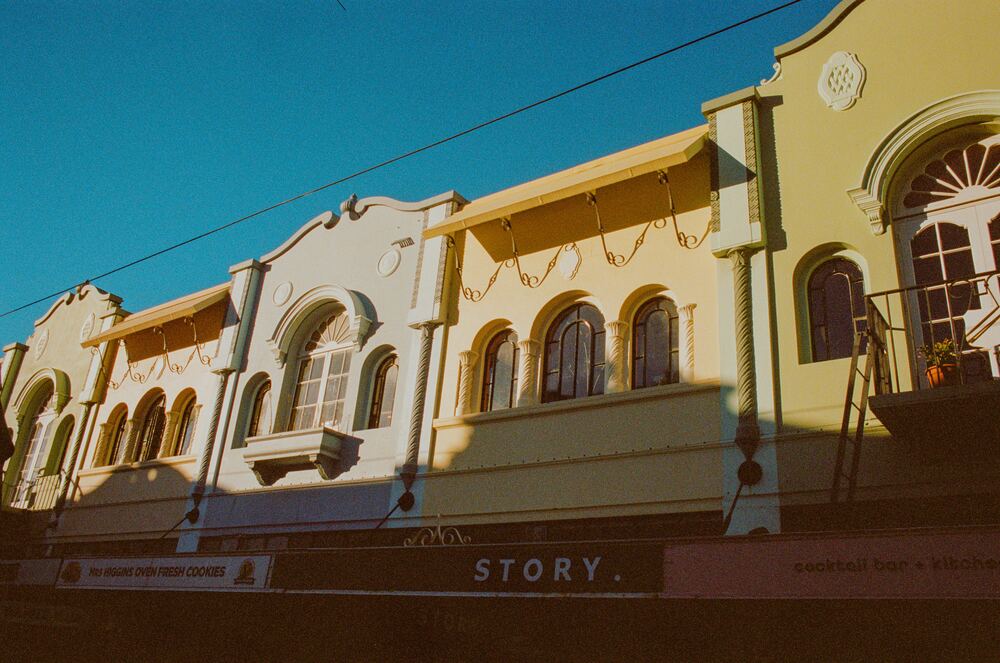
<point x="618" y="259"/>
<point x="683" y="239"/>
<point x="438" y="536"/>
<point x="527" y="279"/>
<point x="198" y="345"/>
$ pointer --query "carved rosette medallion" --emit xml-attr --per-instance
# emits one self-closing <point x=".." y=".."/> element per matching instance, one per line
<point x="841" y="81"/>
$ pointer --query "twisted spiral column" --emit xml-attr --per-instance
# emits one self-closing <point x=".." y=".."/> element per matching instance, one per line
<point x="747" y="430"/>
<point x="410" y="465"/>
<point x="687" y="324"/>
<point x="466" y="371"/>
<point x="617" y="362"/>
<point x="527" y="381"/>
<point x="213" y="429"/>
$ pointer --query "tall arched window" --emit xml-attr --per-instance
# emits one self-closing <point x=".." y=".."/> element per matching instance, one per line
<point x="654" y="344"/>
<point x="116" y="438"/>
<point x="41" y="428"/>
<point x="836" y="293"/>
<point x="322" y="377"/>
<point x="995" y="240"/>
<point x="147" y="445"/>
<point x="260" y="412"/>
<point x="500" y="369"/>
<point x="185" y="430"/>
<point x="574" y="354"/>
<point x="383" y="393"/>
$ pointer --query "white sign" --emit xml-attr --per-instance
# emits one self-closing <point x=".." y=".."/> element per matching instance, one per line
<point x="215" y="573"/>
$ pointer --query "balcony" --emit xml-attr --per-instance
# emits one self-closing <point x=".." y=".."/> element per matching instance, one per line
<point x="36" y="493"/>
<point x="958" y="413"/>
<point x="271" y="457"/>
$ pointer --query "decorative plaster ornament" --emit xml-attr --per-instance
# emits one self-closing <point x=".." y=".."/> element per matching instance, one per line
<point x="282" y="293"/>
<point x="389" y="262"/>
<point x="841" y="81"/>
<point x="88" y="327"/>
<point x="569" y="261"/>
<point x="41" y="343"/>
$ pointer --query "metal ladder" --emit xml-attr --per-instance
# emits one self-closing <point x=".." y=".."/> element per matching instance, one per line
<point x="855" y="409"/>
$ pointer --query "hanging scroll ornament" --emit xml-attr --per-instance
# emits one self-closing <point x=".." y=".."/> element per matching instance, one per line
<point x="619" y="259"/>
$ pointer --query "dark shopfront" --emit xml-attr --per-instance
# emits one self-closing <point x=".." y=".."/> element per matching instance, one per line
<point x="575" y="601"/>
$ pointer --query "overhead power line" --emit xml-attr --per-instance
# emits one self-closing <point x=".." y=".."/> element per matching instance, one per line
<point x="414" y="152"/>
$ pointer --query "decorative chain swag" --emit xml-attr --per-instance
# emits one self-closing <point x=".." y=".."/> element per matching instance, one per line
<point x="684" y="240"/>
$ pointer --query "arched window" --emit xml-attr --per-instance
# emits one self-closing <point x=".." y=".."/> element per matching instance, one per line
<point x="185" y="430"/>
<point x="260" y="412"/>
<point x="654" y="344"/>
<point x="574" y="354"/>
<point x="383" y="393"/>
<point x="116" y="438"/>
<point x="836" y="292"/>
<point x="500" y="371"/>
<point x="322" y="377"/>
<point x="995" y="240"/>
<point x="37" y="443"/>
<point x="150" y="438"/>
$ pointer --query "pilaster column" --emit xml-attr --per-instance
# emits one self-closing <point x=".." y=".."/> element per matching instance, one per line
<point x="213" y="429"/>
<point x="81" y="432"/>
<point x="170" y="441"/>
<point x="617" y="362"/>
<point x="527" y="382"/>
<point x="686" y="315"/>
<point x="466" y="373"/>
<point x="129" y="435"/>
<point x="411" y="463"/>
<point x="747" y="431"/>
<point x="13" y="356"/>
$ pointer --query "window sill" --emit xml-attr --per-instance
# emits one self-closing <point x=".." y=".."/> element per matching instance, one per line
<point x="169" y="461"/>
<point x="271" y="457"/>
<point x="604" y="400"/>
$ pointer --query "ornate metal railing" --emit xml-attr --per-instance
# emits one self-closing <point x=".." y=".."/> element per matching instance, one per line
<point x="37" y="493"/>
<point x="904" y="323"/>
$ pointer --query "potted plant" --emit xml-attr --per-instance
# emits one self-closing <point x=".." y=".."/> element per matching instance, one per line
<point x="942" y="363"/>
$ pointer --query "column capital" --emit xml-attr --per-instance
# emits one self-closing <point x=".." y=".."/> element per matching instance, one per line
<point x="468" y="357"/>
<point x="530" y="346"/>
<point x="617" y="328"/>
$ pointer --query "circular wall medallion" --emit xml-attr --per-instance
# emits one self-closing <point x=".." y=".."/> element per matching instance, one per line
<point x="41" y="343"/>
<point x="389" y="262"/>
<point x="282" y="293"/>
<point x="88" y="327"/>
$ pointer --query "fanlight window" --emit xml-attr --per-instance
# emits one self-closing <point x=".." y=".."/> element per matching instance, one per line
<point x="574" y="354"/>
<point x="322" y="378"/>
<point x="654" y="344"/>
<point x="957" y="171"/>
<point x="500" y="372"/>
<point x="147" y="446"/>
<point x="384" y="393"/>
<point x="836" y="308"/>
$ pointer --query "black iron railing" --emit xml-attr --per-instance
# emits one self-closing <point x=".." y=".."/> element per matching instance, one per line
<point x="904" y="323"/>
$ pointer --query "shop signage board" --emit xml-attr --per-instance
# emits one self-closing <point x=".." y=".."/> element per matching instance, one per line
<point x="958" y="564"/>
<point x="565" y="569"/>
<point x="234" y="573"/>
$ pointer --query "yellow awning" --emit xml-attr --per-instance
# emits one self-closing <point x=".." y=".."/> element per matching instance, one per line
<point x="158" y="315"/>
<point x="646" y="158"/>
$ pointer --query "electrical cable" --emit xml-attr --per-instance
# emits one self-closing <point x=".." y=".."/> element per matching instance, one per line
<point x="413" y="152"/>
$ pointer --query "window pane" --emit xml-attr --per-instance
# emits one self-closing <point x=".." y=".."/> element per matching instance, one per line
<point x="836" y="304"/>
<point x="388" y="394"/>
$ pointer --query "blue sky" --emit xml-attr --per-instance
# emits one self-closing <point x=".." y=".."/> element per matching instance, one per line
<point x="128" y="126"/>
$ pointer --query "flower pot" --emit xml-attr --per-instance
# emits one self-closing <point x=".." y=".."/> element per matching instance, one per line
<point x="944" y="375"/>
